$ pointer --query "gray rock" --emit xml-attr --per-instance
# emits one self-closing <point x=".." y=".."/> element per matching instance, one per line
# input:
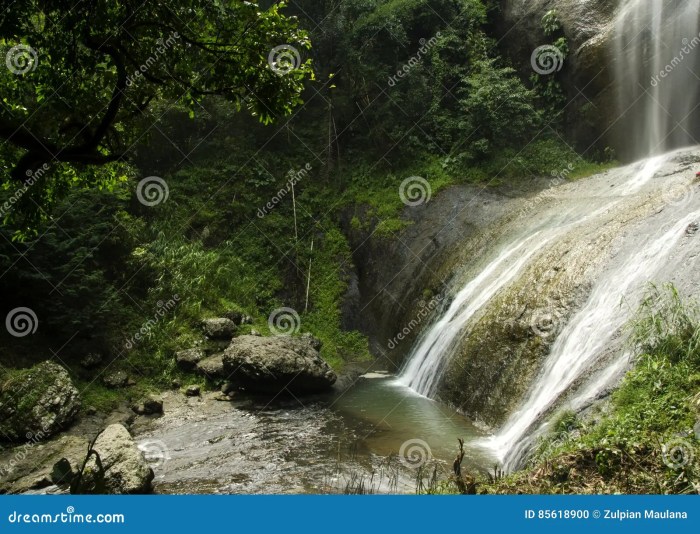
<point x="151" y="405"/>
<point x="228" y="388"/>
<point x="187" y="360"/>
<point x="125" y="470"/>
<point x="116" y="379"/>
<point x="212" y="367"/>
<point x="254" y="332"/>
<point x="192" y="391"/>
<point x="312" y="340"/>
<point x="235" y="316"/>
<point x="175" y="384"/>
<point x="273" y="364"/>
<point x="37" y="403"/>
<point x="219" y="328"/>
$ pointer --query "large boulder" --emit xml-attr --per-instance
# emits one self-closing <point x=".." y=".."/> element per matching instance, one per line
<point x="36" y="403"/>
<point x="124" y="468"/>
<point x="273" y="364"/>
<point x="219" y="328"/>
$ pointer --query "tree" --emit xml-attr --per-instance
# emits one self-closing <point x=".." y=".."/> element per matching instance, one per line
<point x="81" y="81"/>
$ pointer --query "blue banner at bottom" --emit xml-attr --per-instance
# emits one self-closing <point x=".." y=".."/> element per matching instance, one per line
<point x="320" y="513"/>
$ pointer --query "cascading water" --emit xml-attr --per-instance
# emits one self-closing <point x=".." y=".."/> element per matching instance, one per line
<point x="659" y="113"/>
<point x="582" y="340"/>
<point x="657" y="57"/>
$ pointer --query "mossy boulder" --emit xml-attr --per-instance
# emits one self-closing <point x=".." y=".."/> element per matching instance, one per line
<point x="36" y="403"/>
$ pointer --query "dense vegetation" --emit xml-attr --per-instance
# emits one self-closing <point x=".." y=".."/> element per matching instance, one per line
<point x="381" y="90"/>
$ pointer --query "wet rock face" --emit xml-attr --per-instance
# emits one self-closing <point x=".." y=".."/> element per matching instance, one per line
<point x="272" y="364"/>
<point x="37" y="403"/>
<point x="124" y="469"/>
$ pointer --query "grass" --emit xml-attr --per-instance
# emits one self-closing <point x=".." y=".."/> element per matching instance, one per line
<point x="644" y="442"/>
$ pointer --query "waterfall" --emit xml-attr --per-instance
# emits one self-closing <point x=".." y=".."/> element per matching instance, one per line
<point x="656" y="51"/>
<point x="583" y="339"/>
<point x="428" y="358"/>
<point x="424" y="365"/>
<point x="657" y="85"/>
